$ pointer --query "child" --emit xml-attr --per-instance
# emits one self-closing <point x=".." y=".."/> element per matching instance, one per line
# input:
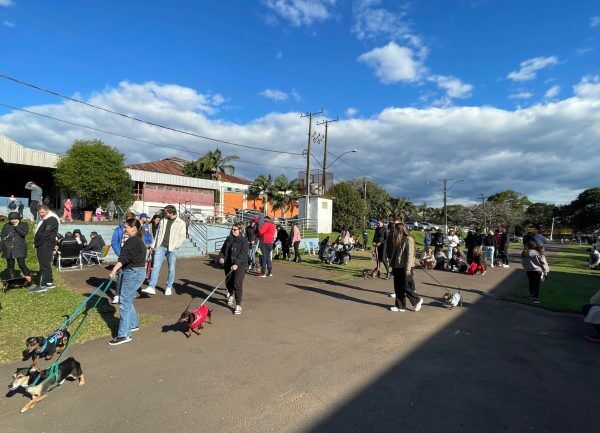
<point x="457" y="261"/>
<point x="535" y="265"/>
<point x="440" y="260"/>
<point x="99" y="213"/>
<point x="428" y="260"/>
<point x="478" y="264"/>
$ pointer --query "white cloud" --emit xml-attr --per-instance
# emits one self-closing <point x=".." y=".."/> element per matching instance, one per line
<point x="296" y="95"/>
<point x="8" y="24"/>
<point x="453" y="86"/>
<point x="530" y="67"/>
<point x="500" y="143"/>
<point x="373" y="22"/>
<point x="301" y="12"/>
<point x="351" y="112"/>
<point x="7" y="3"/>
<point x="521" y="95"/>
<point x="582" y="51"/>
<point x="595" y="21"/>
<point x="217" y="99"/>
<point x="394" y="63"/>
<point x="552" y="92"/>
<point x="274" y="94"/>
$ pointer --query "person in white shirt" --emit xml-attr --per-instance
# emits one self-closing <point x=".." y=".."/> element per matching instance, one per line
<point x="451" y="241"/>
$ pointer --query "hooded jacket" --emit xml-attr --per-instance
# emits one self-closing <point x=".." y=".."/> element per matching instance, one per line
<point x="12" y="240"/>
<point x="46" y="230"/>
<point x="96" y="244"/>
<point x="267" y="232"/>
<point x="534" y="261"/>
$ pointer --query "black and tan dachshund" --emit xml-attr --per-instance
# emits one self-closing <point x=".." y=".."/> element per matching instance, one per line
<point x="46" y="347"/>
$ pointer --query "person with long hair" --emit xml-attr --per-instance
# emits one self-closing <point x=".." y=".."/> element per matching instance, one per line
<point x="234" y="257"/>
<point x="403" y="262"/>
<point x="535" y="265"/>
<point x="131" y="263"/>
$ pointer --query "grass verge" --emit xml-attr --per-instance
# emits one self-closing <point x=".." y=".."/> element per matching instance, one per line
<point x="24" y="315"/>
<point x="569" y="285"/>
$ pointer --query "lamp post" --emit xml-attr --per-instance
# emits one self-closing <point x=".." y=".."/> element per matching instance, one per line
<point x="446" y="189"/>
<point x="552" y="228"/>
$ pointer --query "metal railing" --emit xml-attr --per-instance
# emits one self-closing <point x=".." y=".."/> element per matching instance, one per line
<point x="196" y="230"/>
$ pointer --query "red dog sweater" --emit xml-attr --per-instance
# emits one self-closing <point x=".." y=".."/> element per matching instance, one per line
<point x="200" y="316"/>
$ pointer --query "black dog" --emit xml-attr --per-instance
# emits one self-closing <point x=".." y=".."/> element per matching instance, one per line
<point x="36" y="385"/>
<point x="15" y="283"/>
<point x="46" y="347"/>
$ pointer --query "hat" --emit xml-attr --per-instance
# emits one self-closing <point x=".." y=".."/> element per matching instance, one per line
<point x="13" y="216"/>
<point x="143" y="215"/>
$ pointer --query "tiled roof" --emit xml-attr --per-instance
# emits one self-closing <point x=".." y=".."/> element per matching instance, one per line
<point x="175" y="165"/>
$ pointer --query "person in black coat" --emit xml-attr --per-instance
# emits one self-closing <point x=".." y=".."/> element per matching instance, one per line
<point x="14" y="246"/>
<point x="284" y="237"/>
<point x="44" y="241"/>
<point x="437" y="240"/>
<point x="389" y="245"/>
<point x="471" y="242"/>
<point x="234" y="257"/>
<point x="380" y="242"/>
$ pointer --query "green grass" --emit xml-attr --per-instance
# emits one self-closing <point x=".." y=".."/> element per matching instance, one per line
<point x="24" y="315"/>
<point x="569" y="285"/>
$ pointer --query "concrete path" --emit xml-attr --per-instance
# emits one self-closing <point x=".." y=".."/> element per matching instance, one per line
<point x="312" y="355"/>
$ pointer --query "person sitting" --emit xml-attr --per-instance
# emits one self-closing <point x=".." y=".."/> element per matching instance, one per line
<point x="440" y="259"/>
<point x="428" y="259"/>
<point x="95" y="246"/>
<point x="68" y="248"/>
<point x="591" y="312"/>
<point x="324" y="245"/>
<point x="478" y="264"/>
<point x="81" y="240"/>
<point x="457" y="261"/>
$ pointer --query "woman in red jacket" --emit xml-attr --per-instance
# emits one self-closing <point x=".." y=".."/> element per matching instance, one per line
<point x="267" y="234"/>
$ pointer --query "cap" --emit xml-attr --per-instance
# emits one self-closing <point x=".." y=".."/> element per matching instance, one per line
<point x="143" y="215"/>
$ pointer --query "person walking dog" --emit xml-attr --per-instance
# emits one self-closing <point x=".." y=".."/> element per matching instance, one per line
<point x="403" y="262"/>
<point x="44" y="241"/>
<point x="234" y="257"/>
<point x="170" y="236"/>
<point x="132" y="261"/>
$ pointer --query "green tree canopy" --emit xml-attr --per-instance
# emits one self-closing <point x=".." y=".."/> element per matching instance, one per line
<point x="585" y="210"/>
<point x="349" y="208"/>
<point x="262" y="186"/>
<point x="379" y="201"/>
<point x="95" y="171"/>
<point x="210" y="165"/>
<point x="285" y="194"/>
<point x="540" y="214"/>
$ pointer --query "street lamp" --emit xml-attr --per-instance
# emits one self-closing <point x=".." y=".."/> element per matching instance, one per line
<point x="349" y="151"/>
<point x="552" y="228"/>
<point x="446" y="189"/>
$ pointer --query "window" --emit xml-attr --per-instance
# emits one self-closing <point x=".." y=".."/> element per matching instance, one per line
<point x="324" y="205"/>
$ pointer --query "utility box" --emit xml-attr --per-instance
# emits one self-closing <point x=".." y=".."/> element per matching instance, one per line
<point x="320" y="213"/>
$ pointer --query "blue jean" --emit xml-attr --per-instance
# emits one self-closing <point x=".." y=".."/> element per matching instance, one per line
<point x="265" y="261"/>
<point x="131" y="281"/>
<point x="253" y="250"/>
<point x="159" y="257"/>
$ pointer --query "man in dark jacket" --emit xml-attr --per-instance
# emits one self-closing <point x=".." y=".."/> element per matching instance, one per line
<point x="284" y="237"/>
<point x="437" y="240"/>
<point x="44" y="242"/>
<point x="380" y="242"/>
<point x="95" y="246"/>
<point x="14" y="246"/>
<point x="503" y="248"/>
<point x="234" y="257"/>
<point x="389" y="245"/>
<point x="471" y="242"/>
<point x="252" y="241"/>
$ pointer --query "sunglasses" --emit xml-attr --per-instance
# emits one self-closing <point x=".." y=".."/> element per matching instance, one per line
<point x="235" y="229"/>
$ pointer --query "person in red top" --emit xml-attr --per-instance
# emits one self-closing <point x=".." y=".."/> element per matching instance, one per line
<point x="67" y="207"/>
<point x="266" y="233"/>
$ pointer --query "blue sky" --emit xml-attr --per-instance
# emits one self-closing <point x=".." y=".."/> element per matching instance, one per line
<point x="247" y="68"/>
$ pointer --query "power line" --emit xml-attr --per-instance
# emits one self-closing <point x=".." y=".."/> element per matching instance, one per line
<point x="60" y="95"/>
<point x="133" y="138"/>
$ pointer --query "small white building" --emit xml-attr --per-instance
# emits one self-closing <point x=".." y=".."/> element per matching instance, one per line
<point x="320" y="213"/>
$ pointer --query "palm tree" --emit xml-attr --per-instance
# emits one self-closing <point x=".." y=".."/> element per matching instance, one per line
<point x="262" y="186"/>
<point x="285" y="194"/>
<point x="210" y="166"/>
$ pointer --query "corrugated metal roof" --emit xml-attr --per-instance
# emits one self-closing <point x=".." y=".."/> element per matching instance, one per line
<point x="13" y="153"/>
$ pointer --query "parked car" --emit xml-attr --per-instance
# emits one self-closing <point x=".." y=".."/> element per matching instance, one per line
<point x="412" y="225"/>
<point x="514" y="238"/>
<point x="428" y="225"/>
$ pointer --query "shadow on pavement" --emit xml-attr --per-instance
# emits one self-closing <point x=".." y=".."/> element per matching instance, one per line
<point x="497" y="367"/>
<point x="337" y="295"/>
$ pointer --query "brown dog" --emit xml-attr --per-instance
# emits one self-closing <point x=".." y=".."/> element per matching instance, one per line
<point x="195" y="319"/>
<point x="371" y="273"/>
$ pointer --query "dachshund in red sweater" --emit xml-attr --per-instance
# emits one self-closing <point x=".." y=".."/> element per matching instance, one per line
<point x="195" y="319"/>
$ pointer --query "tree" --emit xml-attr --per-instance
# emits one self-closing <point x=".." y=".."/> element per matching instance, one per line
<point x="514" y="199"/>
<point x="262" y="186"/>
<point x="210" y="166"/>
<point x="540" y="214"/>
<point x="403" y="209"/>
<point x="506" y="208"/>
<point x="95" y="171"/>
<point x="379" y="201"/>
<point x="285" y="194"/>
<point x="349" y="208"/>
<point x="585" y="210"/>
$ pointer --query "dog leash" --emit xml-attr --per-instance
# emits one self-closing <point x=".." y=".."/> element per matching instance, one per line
<point x="442" y="285"/>
<point x="215" y="289"/>
<point x="83" y="303"/>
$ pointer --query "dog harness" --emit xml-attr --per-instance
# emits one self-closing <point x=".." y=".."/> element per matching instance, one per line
<point x="52" y="339"/>
<point x="200" y="315"/>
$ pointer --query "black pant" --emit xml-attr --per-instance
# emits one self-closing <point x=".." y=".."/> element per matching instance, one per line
<point x="285" y="250"/>
<point x="297" y="252"/>
<point x="470" y="252"/>
<point x="534" y="283"/>
<point x="585" y="310"/>
<point x="503" y="253"/>
<point x="44" y="255"/>
<point x="234" y="282"/>
<point x="404" y="287"/>
<point x="33" y="207"/>
<point x="267" y="265"/>
<point x="10" y="265"/>
<point x="381" y="258"/>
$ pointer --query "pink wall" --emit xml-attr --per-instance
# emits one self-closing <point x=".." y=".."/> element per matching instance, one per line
<point x="176" y="194"/>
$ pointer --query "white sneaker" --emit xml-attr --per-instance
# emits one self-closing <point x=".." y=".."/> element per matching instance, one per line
<point x="392" y="295"/>
<point x="149" y="290"/>
<point x="483" y="273"/>
<point x="115" y="300"/>
<point x="506" y="266"/>
<point x="238" y="310"/>
<point x="168" y="291"/>
<point x="396" y="309"/>
<point x="419" y="304"/>
<point x="231" y="301"/>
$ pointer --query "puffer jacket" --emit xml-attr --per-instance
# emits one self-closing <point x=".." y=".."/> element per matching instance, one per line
<point x="12" y="240"/>
<point x="235" y="251"/>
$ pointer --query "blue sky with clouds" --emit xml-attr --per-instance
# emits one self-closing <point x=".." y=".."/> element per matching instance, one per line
<point x="470" y="89"/>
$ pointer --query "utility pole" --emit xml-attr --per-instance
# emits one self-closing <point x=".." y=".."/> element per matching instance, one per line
<point x="307" y="179"/>
<point x="326" y="123"/>
<point x="484" y="217"/>
<point x="365" y="199"/>
<point x="445" y="203"/>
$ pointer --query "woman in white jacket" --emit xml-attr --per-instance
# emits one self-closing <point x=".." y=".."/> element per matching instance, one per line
<point x="535" y="265"/>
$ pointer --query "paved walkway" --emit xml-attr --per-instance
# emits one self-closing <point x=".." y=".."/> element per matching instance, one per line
<point x="312" y="355"/>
